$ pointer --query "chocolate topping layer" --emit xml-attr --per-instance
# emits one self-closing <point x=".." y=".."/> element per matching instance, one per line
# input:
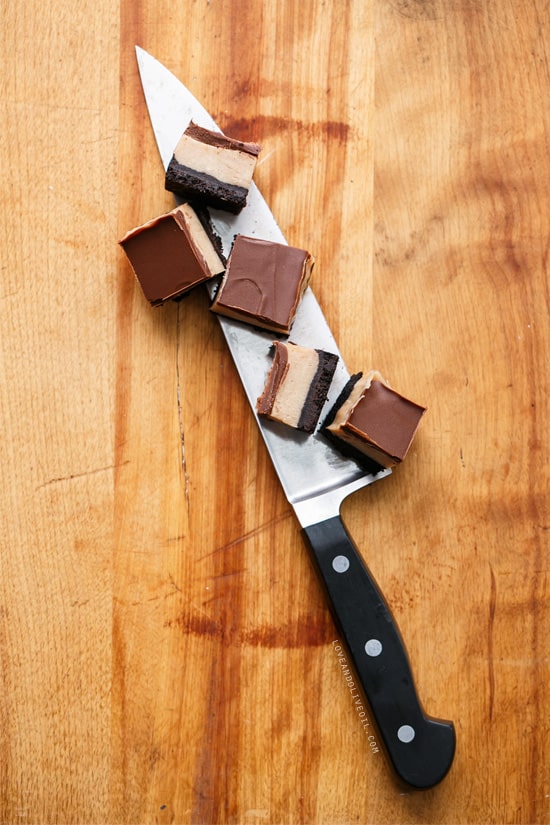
<point x="371" y="420"/>
<point x="219" y="139"/>
<point x="171" y="254"/>
<point x="386" y="419"/>
<point x="278" y="369"/>
<point x="263" y="283"/>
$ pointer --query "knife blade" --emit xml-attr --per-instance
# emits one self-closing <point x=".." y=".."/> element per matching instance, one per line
<point x="316" y="479"/>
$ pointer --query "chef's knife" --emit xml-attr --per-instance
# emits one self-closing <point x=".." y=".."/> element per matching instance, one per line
<point x="316" y="479"/>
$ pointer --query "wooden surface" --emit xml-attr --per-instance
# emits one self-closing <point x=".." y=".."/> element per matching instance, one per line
<point x="165" y="653"/>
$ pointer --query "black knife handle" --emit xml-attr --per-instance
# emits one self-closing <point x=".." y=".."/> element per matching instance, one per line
<point x="420" y="748"/>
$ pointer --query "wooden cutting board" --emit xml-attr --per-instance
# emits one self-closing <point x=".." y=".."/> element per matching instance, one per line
<point x="165" y="651"/>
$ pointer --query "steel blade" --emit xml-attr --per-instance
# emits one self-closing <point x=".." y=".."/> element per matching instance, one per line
<point x="315" y="477"/>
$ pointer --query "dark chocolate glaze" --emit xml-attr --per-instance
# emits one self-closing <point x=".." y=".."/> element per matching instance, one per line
<point x="220" y="140"/>
<point x="163" y="260"/>
<point x="266" y="400"/>
<point x="263" y="282"/>
<point x="385" y="419"/>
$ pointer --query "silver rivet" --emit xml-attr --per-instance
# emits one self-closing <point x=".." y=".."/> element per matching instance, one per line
<point x="373" y="647"/>
<point x="340" y="564"/>
<point x="406" y="734"/>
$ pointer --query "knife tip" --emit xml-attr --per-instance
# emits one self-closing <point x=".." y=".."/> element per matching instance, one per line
<point x="141" y="54"/>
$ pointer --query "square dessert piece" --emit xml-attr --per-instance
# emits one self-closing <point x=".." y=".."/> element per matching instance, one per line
<point x="171" y="254"/>
<point x="212" y="169"/>
<point x="297" y="385"/>
<point x="263" y="283"/>
<point x="371" y="420"/>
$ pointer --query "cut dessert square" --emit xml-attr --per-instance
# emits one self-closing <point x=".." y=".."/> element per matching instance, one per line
<point x="171" y="254"/>
<point x="211" y="168"/>
<point x="263" y="283"/>
<point x="371" y="419"/>
<point x="297" y="385"/>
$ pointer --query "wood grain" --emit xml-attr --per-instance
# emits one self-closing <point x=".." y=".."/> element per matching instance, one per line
<point x="165" y="651"/>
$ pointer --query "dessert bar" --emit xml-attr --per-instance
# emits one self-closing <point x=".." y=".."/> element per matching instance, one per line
<point x="171" y="254"/>
<point x="263" y="283"/>
<point x="212" y="169"/>
<point x="371" y="420"/>
<point x="297" y="385"/>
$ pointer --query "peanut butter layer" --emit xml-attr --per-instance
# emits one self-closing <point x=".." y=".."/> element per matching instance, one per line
<point x="171" y="254"/>
<point x="263" y="283"/>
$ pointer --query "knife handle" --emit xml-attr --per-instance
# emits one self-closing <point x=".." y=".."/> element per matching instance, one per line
<point x="420" y="748"/>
